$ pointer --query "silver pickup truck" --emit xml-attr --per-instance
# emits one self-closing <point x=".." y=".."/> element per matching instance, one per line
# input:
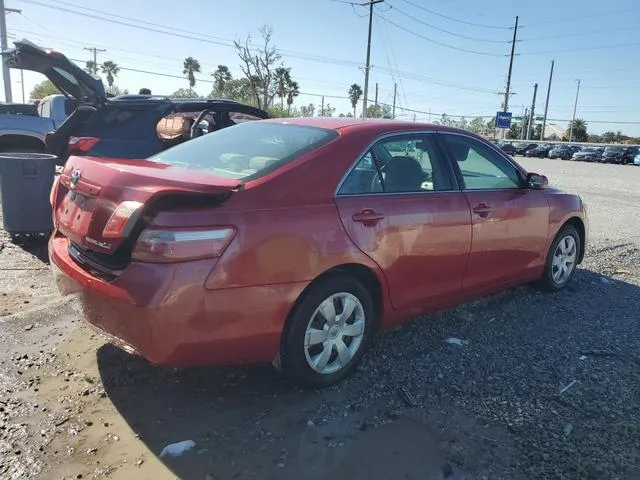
<point x="26" y="133"/>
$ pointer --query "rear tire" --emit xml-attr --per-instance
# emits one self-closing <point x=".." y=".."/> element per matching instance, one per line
<point x="321" y="346"/>
<point x="562" y="260"/>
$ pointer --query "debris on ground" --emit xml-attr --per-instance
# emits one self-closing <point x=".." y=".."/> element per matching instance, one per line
<point x="177" y="449"/>
<point x="456" y="341"/>
<point x="567" y="387"/>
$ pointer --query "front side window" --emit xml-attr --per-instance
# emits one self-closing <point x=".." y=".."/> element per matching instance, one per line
<point x="400" y="164"/>
<point x="481" y="168"/>
<point x="246" y="151"/>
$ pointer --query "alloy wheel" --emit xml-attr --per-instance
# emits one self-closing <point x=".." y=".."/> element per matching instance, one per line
<point x="564" y="259"/>
<point x="334" y="333"/>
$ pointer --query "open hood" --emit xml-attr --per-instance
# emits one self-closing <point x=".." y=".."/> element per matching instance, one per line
<point x="66" y="75"/>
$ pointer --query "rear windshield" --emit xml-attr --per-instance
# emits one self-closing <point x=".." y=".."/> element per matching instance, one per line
<point x="614" y="149"/>
<point x="246" y="151"/>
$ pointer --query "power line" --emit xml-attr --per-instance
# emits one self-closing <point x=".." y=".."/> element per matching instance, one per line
<point x="578" y="34"/>
<point x="496" y="27"/>
<point x="477" y="39"/>
<point x="580" y="17"/>
<point x="583" y="49"/>
<point x="476" y="52"/>
<point x="397" y="72"/>
<point x="201" y="37"/>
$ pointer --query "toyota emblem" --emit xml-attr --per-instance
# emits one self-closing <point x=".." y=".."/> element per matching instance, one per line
<point x="75" y="178"/>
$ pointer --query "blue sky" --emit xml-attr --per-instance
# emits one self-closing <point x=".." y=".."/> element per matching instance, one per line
<point x="456" y="64"/>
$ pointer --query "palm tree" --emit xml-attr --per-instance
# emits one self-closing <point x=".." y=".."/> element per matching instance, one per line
<point x="190" y="67"/>
<point x="282" y="79"/>
<point x="221" y="77"/>
<point x="355" y="92"/>
<point x="578" y="130"/>
<point x="90" y="67"/>
<point x="293" y="90"/>
<point x="111" y="70"/>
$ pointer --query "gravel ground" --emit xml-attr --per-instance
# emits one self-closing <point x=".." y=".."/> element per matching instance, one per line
<point x="542" y="386"/>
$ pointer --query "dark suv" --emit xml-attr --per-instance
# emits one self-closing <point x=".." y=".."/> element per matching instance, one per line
<point x="129" y="126"/>
<point x="619" y="154"/>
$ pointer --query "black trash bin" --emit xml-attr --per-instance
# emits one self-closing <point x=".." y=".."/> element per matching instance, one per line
<point x="25" y="185"/>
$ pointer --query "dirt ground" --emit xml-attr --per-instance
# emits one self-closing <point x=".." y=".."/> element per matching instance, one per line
<point x="545" y="386"/>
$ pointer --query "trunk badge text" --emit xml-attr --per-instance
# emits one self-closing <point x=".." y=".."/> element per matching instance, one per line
<point x="75" y="178"/>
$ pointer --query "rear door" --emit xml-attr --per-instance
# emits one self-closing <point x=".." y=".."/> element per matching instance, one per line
<point x="510" y="222"/>
<point x="400" y="206"/>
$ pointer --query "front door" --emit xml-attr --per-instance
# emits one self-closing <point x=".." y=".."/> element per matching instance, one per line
<point x="510" y="222"/>
<point x="400" y="207"/>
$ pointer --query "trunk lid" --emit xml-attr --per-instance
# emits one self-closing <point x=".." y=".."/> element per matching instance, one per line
<point x="66" y="75"/>
<point x="91" y="189"/>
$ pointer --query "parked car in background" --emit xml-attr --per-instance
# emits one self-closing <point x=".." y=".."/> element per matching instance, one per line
<point x="29" y="109"/>
<point x="619" y="154"/>
<point x="129" y="126"/>
<point x="589" y="154"/>
<point x="565" y="152"/>
<point x="636" y="160"/>
<point x="541" y="151"/>
<point x="293" y="257"/>
<point x="23" y="128"/>
<point x="508" y="148"/>
<point x="523" y="148"/>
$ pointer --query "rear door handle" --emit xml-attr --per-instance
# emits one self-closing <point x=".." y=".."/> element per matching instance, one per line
<point x="368" y="217"/>
<point x="482" y="210"/>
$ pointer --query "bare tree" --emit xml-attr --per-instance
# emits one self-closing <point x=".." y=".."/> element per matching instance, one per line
<point x="258" y="65"/>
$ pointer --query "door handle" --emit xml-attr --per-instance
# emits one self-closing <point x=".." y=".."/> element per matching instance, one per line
<point x="482" y="210"/>
<point x="368" y="217"/>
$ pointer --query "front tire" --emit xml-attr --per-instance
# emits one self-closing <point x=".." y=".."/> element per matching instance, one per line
<point x="562" y="260"/>
<point x="328" y="331"/>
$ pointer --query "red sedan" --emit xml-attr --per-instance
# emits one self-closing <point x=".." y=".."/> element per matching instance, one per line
<point x="294" y="240"/>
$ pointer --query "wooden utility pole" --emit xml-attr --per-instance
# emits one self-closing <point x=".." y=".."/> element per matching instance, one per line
<point x="546" y="103"/>
<point x="395" y="90"/>
<point x="367" y="65"/>
<point x="507" y="90"/>
<point x="532" y="114"/>
<point x="573" y="119"/>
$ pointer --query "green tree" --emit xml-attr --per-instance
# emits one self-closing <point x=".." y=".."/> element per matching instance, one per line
<point x="490" y="127"/>
<point x="446" y="121"/>
<point x="221" y="77"/>
<point x="190" y="67"/>
<point x="579" y="130"/>
<point x="184" y="93"/>
<point x="91" y="67"/>
<point x="462" y="123"/>
<point x="293" y="90"/>
<point x="282" y="79"/>
<point x="379" y="111"/>
<point x="355" y="92"/>
<point x="111" y="70"/>
<point x="609" y="137"/>
<point x="43" y="89"/>
<point x="477" y="126"/>
<point x="258" y="66"/>
<point x="307" y="111"/>
<point x="239" y="89"/>
<point x="328" y="110"/>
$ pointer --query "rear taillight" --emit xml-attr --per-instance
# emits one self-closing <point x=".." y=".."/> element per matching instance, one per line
<point x="116" y="226"/>
<point x="155" y="245"/>
<point x="82" y="144"/>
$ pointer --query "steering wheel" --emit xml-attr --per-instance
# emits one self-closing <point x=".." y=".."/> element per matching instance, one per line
<point x="196" y="131"/>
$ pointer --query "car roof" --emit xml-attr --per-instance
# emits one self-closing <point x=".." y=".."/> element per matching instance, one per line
<point x="373" y="126"/>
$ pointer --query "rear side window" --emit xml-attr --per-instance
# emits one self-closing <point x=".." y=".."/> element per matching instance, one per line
<point x="246" y="151"/>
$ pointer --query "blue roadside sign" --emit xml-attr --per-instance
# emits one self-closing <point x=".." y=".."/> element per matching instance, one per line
<point x="503" y="119"/>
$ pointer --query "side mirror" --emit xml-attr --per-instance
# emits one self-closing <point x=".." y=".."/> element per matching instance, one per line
<point x="537" y="182"/>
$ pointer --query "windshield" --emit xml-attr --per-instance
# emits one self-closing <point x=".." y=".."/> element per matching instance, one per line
<point x="246" y="151"/>
<point x="614" y="149"/>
